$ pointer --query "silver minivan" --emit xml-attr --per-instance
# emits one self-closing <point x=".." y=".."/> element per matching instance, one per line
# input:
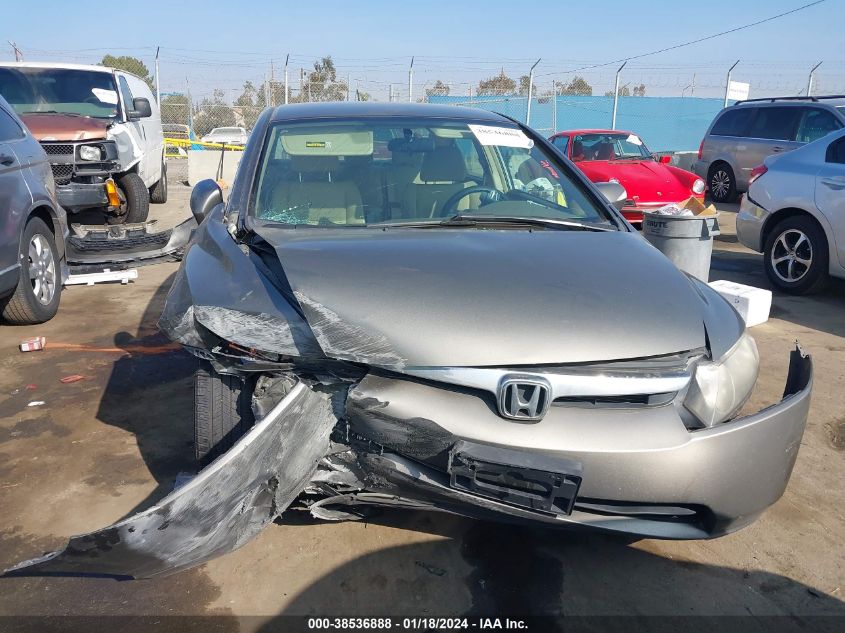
<point x="744" y="134"/>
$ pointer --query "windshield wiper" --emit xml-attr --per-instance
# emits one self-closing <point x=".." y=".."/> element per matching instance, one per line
<point x="470" y="219"/>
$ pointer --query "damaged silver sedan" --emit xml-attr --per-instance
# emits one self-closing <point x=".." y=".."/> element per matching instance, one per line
<point x="429" y="307"/>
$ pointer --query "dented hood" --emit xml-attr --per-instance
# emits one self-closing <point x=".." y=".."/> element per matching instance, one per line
<point x="461" y="297"/>
<point x="65" y="127"/>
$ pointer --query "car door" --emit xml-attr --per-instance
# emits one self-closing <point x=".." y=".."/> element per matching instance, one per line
<point x="772" y="131"/>
<point x="151" y="131"/>
<point x="14" y="199"/>
<point x="830" y="195"/>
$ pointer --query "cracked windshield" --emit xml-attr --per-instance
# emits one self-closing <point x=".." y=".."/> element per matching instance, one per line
<point x="365" y="173"/>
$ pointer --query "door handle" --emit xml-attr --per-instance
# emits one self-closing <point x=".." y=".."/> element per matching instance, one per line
<point x="6" y="159"/>
<point x="836" y="182"/>
<point x="778" y="148"/>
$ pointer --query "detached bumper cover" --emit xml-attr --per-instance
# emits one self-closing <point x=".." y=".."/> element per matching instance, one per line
<point x="685" y="486"/>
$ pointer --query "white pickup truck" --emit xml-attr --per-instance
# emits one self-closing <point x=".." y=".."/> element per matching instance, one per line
<point x="101" y="130"/>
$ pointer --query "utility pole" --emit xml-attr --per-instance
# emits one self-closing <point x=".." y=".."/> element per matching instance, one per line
<point x="287" y="91"/>
<point x="810" y="79"/>
<point x="190" y="107"/>
<point x="267" y="90"/>
<point x="272" y="78"/>
<point x="348" y="81"/>
<point x="692" y="91"/>
<point x="301" y="82"/>
<point x="530" y="92"/>
<point x="728" y="83"/>
<point x="616" y="96"/>
<point x="158" y="85"/>
<point x="390" y="93"/>
<point x="554" y="107"/>
<point x="411" y="81"/>
<point x="18" y="52"/>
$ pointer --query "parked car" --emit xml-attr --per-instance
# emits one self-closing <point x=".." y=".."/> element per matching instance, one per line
<point x="227" y="135"/>
<point x="33" y="227"/>
<point x="794" y="213"/>
<point x="457" y="339"/>
<point x="101" y="129"/>
<point x="618" y="156"/>
<point x="744" y="134"/>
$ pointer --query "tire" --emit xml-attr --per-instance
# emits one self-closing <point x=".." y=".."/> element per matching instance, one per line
<point x="158" y="192"/>
<point x="795" y="256"/>
<point x="136" y="207"/>
<point x="36" y="300"/>
<point x="721" y="182"/>
<point x="222" y="412"/>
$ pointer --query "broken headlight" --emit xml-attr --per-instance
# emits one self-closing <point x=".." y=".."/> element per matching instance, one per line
<point x="718" y="389"/>
<point x="90" y="152"/>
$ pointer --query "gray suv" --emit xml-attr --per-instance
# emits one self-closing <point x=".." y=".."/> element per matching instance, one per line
<point x="33" y="227"/>
<point x="744" y="134"/>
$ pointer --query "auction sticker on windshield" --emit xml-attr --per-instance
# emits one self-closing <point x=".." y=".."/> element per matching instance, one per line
<point x="503" y="136"/>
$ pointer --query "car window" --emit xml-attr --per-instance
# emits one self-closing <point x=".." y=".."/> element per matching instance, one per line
<point x="774" y="123"/>
<point x="334" y="173"/>
<point x="816" y="123"/>
<point x="9" y="128"/>
<point x="561" y="142"/>
<point x="608" y="146"/>
<point x="126" y="93"/>
<point x="733" y="122"/>
<point x="836" y="152"/>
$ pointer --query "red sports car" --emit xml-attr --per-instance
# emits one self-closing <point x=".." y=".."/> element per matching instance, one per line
<point x="614" y="155"/>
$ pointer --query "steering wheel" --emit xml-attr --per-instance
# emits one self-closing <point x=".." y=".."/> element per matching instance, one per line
<point x="451" y="205"/>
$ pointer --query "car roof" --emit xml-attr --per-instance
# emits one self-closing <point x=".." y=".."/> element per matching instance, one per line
<point x="834" y="101"/>
<point x="343" y="109"/>
<point x="90" y="67"/>
<point x="591" y="131"/>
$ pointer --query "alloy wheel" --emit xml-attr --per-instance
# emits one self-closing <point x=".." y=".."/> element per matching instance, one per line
<point x="792" y="255"/>
<point x="42" y="269"/>
<point x="720" y="184"/>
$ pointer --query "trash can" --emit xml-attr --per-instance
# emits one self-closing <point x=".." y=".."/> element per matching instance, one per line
<point x="687" y="240"/>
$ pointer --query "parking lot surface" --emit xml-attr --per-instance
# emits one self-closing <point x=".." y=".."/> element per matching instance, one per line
<point x="106" y="446"/>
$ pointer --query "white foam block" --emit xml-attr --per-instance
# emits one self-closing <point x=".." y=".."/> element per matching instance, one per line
<point x="753" y="304"/>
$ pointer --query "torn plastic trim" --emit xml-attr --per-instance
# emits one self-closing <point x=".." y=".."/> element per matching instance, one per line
<point x="223" y="507"/>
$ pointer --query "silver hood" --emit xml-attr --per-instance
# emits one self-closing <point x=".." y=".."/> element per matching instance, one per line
<point x="406" y="297"/>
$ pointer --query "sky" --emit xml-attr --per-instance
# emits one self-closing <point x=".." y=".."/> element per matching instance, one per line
<point x="216" y="44"/>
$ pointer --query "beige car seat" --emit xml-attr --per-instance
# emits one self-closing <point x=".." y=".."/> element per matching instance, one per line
<point x="315" y="196"/>
<point x="443" y="173"/>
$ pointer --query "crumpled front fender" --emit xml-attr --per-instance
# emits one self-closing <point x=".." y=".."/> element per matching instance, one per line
<point x="223" y="507"/>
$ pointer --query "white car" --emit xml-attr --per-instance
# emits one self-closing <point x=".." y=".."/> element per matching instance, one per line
<point x="228" y="135"/>
<point x="101" y="130"/>
<point x="794" y="213"/>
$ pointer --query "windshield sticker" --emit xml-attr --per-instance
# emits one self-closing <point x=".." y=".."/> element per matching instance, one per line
<point x="318" y="144"/>
<point x="105" y="96"/>
<point x="634" y="139"/>
<point x="502" y="136"/>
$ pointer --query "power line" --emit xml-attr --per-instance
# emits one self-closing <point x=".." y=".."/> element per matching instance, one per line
<point x="696" y="41"/>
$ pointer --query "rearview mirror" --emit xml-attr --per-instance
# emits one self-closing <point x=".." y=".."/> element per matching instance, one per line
<point x="141" y="108"/>
<point x="205" y="196"/>
<point x="614" y="192"/>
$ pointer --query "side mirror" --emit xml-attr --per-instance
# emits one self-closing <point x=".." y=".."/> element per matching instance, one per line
<point x="141" y="108"/>
<point x="205" y="196"/>
<point x="614" y="192"/>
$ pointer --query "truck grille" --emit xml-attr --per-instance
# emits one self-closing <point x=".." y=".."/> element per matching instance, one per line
<point x="62" y="173"/>
<point x="57" y="149"/>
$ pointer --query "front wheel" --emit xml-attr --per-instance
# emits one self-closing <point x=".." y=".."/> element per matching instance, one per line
<point x="36" y="297"/>
<point x="796" y="256"/>
<point x="134" y="199"/>
<point x="222" y="412"/>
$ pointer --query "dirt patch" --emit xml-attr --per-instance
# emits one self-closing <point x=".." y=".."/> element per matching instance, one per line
<point x="836" y="434"/>
<point x="112" y="471"/>
<point x="33" y="428"/>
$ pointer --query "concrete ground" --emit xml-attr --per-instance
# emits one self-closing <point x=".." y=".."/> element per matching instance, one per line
<point x="101" y="448"/>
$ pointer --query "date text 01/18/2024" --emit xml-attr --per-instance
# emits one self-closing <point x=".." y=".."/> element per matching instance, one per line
<point x="416" y="624"/>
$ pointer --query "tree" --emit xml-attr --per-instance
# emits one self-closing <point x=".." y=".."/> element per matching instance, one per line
<point x="439" y="89"/>
<point x="524" y="83"/>
<point x="577" y="87"/>
<point x="639" y="91"/>
<point x="129" y="64"/>
<point x="322" y="83"/>
<point x="213" y="112"/>
<point x="624" y="91"/>
<point x="501" y="84"/>
<point x="175" y="108"/>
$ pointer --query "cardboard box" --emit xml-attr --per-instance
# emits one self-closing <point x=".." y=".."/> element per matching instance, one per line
<point x="753" y="304"/>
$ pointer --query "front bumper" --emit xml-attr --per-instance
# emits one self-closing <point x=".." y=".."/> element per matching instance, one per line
<point x="76" y="196"/>
<point x="639" y="473"/>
